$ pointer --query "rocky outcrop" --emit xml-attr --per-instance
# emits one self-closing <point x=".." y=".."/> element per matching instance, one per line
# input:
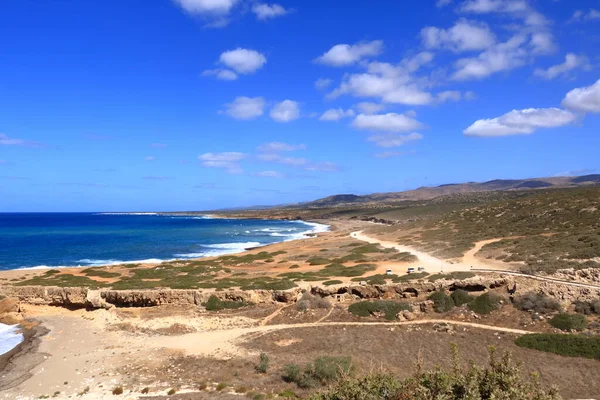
<point x="86" y="298"/>
<point x="107" y="298"/>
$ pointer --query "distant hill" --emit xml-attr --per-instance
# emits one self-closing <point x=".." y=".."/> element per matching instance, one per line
<point x="427" y="193"/>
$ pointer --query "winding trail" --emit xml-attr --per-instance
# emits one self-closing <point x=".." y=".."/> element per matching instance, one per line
<point x="224" y="344"/>
<point x="434" y="264"/>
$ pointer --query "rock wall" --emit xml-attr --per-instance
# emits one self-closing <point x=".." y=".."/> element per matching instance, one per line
<point x="106" y="298"/>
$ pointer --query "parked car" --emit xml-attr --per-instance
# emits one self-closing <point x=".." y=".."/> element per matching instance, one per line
<point x="411" y="270"/>
<point x="388" y="272"/>
<point x="421" y="269"/>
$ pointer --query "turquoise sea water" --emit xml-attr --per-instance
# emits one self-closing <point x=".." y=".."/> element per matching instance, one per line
<point x="86" y="239"/>
<point x="43" y="240"/>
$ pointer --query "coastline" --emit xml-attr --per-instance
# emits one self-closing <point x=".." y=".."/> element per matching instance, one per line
<point x="316" y="226"/>
<point x="17" y="364"/>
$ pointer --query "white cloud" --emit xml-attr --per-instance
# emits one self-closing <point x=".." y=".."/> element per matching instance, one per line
<point x="521" y="122"/>
<point x="516" y="8"/>
<point x="449" y="95"/>
<point x="392" y="83"/>
<point x="344" y="54"/>
<point x="470" y="95"/>
<point x="585" y="99"/>
<point x="335" y="114"/>
<point x="463" y="36"/>
<point x="265" y="11"/>
<point x="243" y="61"/>
<point x="325" y="166"/>
<point x="150" y="158"/>
<point x="390" y="154"/>
<point x="277" y="147"/>
<point x="394" y="139"/>
<point x="279" y="159"/>
<point x="366" y="107"/>
<point x="580" y="15"/>
<point x="542" y="43"/>
<point x="323" y="83"/>
<point x="7" y="141"/>
<point x="226" y="160"/>
<point x="443" y="3"/>
<point x="218" y="7"/>
<point x="269" y="174"/>
<point x="244" y="108"/>
<point x="500" y="57"/>
<point x="285" y="111"/>
<point x="222" y="74"/>
<point x="390" y="122"/>
<point x="572" y="61"/>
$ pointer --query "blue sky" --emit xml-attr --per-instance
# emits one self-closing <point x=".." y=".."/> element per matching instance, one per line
<point x="203" y="104"/>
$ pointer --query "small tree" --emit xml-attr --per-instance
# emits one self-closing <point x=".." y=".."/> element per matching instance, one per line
<point x="569" y="322"/>
<point x="263" y="364"/>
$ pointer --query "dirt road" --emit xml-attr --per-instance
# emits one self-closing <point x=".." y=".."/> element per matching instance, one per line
<point x="224" y="344"/>
<point x="468" y="263"/>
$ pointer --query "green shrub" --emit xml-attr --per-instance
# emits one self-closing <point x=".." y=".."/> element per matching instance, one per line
<point x="563" y="344"/>
<point x="441" y="301"/>
<point x="118" y="391"/>
<point x="486" y="303"/>
<point x="263" y="364"/>
<point x="368" y="308"/>
<point x="501" y="379"/>
<point x="569" y="322"/>
<point x="460" y="297"/>
<point x="587" y="307"/>
<point x="309" y="301"/>
<point x="324" y="370"/>
<point x="537" y="302"/>
<point x="292" y="373"/>
<point x="221" y="386"/>
<point x="216" y="304"/>
<point x="241" y="389"/>
<point x="171" y="392"/>
<point x="332" y="282"/>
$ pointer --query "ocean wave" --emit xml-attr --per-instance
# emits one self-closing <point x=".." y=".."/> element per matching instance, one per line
<point x="220" y="249"/>
<point x="10" y="337"/>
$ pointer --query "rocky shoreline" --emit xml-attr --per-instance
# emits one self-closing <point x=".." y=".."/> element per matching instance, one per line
<point x="16" y="365"/>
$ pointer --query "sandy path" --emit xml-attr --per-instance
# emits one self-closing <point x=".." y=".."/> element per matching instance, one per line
<point x="226" y="344"/>
<point x="431" y="264"/>
<point x="469" y="260"/>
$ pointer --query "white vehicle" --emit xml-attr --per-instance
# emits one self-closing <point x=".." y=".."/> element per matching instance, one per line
<point x="388" y="272"/>
<point x="421" y="269"/>
<point x="411" y="270"/>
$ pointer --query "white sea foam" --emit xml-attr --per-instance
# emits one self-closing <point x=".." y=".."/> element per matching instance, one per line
<point x="10" y="337"/>
<point x="220" y="249"/>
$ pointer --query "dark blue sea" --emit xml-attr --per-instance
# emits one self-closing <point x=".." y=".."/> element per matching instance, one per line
<point x="30" y="240"/>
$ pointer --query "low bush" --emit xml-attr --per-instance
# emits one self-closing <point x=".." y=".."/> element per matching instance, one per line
<point x="324" y="370"/>
<point x="309" y="301"/>
<point x="332" y="282"/>
<point x="389" y="308"/>
<point x="587" y="307"/>
<point x="441" y="301"/>
<point x="216" y="304"/>
<point x="486" y="303"/>
<point x="171" y="392"/>
<point x="536" y="302"/>
<point x="221" y="386"/>
<point x="263" y="364"/>
<point x="501" y="379"/>
<point x="118" y="391"/>
<point x="563" y="344"/>
<point x="569" y="322"/>
<point x="460" y="297"/>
